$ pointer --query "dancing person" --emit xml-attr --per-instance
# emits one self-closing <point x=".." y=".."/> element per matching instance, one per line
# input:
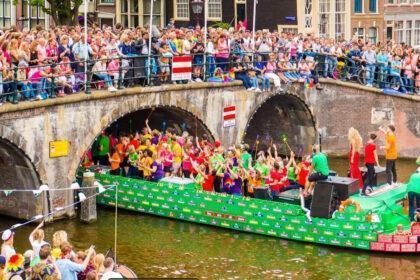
<point x="390" y="149"/>
<point x="413" y="191"/>
<point x="371" y="158"/>
<point x="319" y="169"/>
<point x="356" y="144"/>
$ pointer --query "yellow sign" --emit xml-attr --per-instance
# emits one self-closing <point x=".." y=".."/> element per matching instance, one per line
<point x="59" y="148"/>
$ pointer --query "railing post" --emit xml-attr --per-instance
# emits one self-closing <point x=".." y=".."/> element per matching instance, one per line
<point x="15" y="97"/>
<point x="53" y="85"/>
<point x="88" y="75"/>
<point x="120" y="71"/>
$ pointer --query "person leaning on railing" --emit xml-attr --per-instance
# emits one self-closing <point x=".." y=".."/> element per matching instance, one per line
<point x="100" y="71"/>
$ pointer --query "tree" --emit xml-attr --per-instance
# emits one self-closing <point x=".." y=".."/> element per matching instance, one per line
<point x="63" y="12"/>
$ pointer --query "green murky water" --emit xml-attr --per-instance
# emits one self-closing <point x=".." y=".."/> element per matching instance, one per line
<point x="158" y="247"/>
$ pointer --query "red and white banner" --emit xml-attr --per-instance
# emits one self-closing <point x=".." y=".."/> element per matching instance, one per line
<point x="229" y="116"/>
<point x="181" y="68"/>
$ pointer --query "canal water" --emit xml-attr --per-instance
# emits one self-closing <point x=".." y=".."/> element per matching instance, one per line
<point x="159" y="247"/>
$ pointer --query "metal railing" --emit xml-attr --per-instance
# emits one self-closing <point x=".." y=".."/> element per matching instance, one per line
<point x="19" y="83"/>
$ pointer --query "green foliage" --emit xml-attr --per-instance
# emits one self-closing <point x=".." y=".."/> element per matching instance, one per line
<point x="223" y="25"/>
<point x="63" y="12"/>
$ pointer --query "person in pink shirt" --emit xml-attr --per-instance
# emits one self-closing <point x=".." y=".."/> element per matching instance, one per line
<point x="167" y="158"/>
<point x="222" y="52"/>
<point x="42" y="50"/>
<point x="114" y="71"/>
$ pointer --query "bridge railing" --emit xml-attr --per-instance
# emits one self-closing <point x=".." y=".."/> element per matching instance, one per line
<point x="57" y="79"/>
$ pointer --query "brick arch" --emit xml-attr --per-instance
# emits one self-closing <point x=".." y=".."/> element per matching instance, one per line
<point x="295" y="98"/>
<point x="113" y="116"/>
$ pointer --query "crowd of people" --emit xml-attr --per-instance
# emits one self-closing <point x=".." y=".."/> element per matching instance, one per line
<point x="52" y="261"/>
<point x="37" y="64"/>
<point x="237" y="170"/>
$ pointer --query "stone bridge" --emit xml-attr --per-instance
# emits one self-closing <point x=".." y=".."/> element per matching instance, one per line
<point x="306" y="116"/>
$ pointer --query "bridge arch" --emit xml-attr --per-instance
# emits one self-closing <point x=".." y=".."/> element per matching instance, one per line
<point x="281" y="115"/>
<point x="134" y="120"/>
<point x="18" y="173"/>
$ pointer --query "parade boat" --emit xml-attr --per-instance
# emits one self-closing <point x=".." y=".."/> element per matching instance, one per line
<point x="376" y="223"/>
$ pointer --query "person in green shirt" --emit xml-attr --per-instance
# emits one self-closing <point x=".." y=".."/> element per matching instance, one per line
<point x="245" y="162"/>
<point x="413" y="191"/>
<point x="103" y="148"/>
<point x="319" y="169"/>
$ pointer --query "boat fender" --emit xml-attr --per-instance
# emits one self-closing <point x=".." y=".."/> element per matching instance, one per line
<point x="348" y="202"/>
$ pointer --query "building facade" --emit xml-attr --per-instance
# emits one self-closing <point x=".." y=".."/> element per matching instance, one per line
<point x="367" y="20"/>
<point x="402" y="18"/>
<point x="131" y="13"/>
<point x="22" y="15"/>
<point x="325" y="18"/>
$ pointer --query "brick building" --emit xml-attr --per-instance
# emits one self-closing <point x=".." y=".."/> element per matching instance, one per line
<point x="22" y="14"/>
<point x="325" y="18"/>
<point x="402" y="18"/>
<point x="367" y="20"/>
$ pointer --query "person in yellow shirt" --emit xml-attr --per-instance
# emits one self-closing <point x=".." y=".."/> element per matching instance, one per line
<point x="177" y="151"/>
<point x="390" y="149"/>
<point x="145" y="163"/>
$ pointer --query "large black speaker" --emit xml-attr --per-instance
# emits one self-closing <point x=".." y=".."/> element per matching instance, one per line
<point x="380" y="175"/>
<point x="263" y="193"/>
<point x="324" y="200"/>
<point x="344" y="186"/>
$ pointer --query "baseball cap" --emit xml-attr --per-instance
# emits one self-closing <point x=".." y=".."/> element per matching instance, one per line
<point x="7" y="234"/>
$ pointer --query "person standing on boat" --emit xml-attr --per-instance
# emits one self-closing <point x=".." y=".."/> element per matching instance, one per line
<point x="371" y="158"/>
<point x="413" y="191"/>
<point x="390" y="149"/>
<point x="319" y="169"/>
<point x="356" y="144"/>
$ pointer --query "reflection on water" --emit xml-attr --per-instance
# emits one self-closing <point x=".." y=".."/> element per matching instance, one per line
<point x="158" y="247"/>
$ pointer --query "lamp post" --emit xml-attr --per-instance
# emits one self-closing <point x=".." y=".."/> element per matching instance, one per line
<point x="197" y="8"/>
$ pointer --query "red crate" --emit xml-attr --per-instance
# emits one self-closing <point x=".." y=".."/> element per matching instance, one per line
<point x="400" y="238"/>
<point x="393" y="247"/>
<point x="413" y="239"/>
<point x="384" y="238"/>
<point x="377" y="246"/>
<point x="408" y="247"/>
<point x="418" y="247"/>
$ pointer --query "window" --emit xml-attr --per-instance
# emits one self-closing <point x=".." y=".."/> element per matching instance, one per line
<point x="358" y="6"/>
<point x="157" y="16"/>
<point x="408" y="31"/>
<point x="340" y="18"/>
<point x="372" y="35"/>
<point x="5" y="12"/>
<point x="359" y="33"/>
<point x="215" y="9"/>
<point x="107" y="2"/>
<point x="308" y="13"/>
<point x="182" y="9"/>
<point x="124" y="13"/>
<point x="403" y="1"/>
<point x="324" y="18"/>
<point x="32" y="15"/>
<point x="391" y="1"/>
<point x="372" y="6"/>
<point x="416" y="1"/>
<point x="134" y="13"/>
<point x="399" y="27"/>
<point x="416" y="41"/>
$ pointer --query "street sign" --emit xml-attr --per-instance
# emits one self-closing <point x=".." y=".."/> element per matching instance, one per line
<point x="59" y="148"/>
<point x="181" y="68"/>
<point x="229" y="116"/>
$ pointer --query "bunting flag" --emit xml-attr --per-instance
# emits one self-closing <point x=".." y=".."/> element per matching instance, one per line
<point x="36" y="192"/>
<point x="82" y="196"/>
<point x="75" y="186"/>
<point x="7" y="192"/>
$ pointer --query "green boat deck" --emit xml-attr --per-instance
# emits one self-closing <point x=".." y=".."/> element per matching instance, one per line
<point x="382" y="201"/>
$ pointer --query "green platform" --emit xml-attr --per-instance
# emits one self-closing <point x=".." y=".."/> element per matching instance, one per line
<point x="381" y="202"/>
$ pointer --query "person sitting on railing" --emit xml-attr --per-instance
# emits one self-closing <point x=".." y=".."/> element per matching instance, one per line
<point x="251" y="72"/>
<point x="306" y="70"/>
<point x="395" y="74"/>
<point x="23" y="85"/>
<point x="65" y="79"/>
<point x="265" y="81"/>
<point x="114" y="71"/>
<point x="100" y="70"/>
<point x="354" y="57"/>
<point x="281" y="69"/>
<point x="270" y="71"/>
<point x="382" y="62"/>
<point x="46" y="88"/>
<point x="164" y="61"/>
<point x="241" y="74"/>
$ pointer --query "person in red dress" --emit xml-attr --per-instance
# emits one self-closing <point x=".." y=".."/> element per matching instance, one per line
<point x="356" y="143"/>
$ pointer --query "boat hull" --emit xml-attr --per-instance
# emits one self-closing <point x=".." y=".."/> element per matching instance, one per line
<point x="277" y="219"/>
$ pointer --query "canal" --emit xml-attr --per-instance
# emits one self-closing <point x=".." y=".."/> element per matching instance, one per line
<point x="159" y="247"/>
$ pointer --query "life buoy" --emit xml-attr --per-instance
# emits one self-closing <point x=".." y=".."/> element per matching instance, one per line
<point x="348" y="202"/>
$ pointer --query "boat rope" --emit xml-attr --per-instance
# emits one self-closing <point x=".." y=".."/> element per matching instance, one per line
<point x="59" y="209"/>
<point x="306" y="210"/>
<point x="45" y="188"/>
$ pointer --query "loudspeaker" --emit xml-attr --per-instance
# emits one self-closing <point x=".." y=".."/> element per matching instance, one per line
<point x="263" y="193"/>
<point x="380" y="175"/>
<point x="344" y="186"/>
<point x="324" y="200"/>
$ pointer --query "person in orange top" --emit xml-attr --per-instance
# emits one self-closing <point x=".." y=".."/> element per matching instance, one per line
<point x="390" y="149"/>
<point x="115" y="161"/>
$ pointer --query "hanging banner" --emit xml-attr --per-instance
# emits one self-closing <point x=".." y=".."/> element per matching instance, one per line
<point x="59" y="148"/>
<point x="229" y="116"/>
<point x="181" y="68"/>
